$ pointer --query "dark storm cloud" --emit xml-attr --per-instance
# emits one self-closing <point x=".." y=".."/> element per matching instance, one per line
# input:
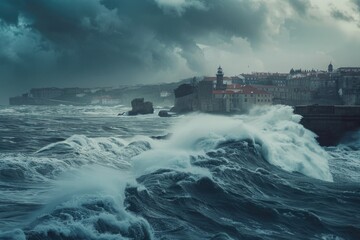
<point x="9" y="12"/>
<point x="337" y="14"/>
<point x="357" y="8"/>
<point x="357" y="3"/>
<point x="129" y="36"/>
<point x="300" y="6"/>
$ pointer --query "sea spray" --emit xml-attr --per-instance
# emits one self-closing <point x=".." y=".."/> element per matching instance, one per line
<point x="89" y="203"/>
<point x="287" y="144"/>
<point x="284" y="141"/>
<point x="347" y="153"/>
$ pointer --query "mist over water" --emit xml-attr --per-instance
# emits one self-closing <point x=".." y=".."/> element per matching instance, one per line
<point x="83" y="173"/>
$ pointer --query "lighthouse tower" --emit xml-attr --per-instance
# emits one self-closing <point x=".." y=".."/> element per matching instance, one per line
<point x="330" y="68"/>
<point x="220" y="79"/>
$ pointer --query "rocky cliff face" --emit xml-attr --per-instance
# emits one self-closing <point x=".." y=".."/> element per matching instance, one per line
<point x="140" y="107"/>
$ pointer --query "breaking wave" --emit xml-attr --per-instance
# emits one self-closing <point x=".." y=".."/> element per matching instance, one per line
<point x="260" y="175"/>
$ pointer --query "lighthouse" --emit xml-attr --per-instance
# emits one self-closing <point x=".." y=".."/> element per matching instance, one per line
<point x="220" y="79"/>
<point x="330" y="68"/>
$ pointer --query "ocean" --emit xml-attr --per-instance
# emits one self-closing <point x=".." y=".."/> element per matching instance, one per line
<point x="70" y="172"/>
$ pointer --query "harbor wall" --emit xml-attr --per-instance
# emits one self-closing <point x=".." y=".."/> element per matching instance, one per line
<point x="330" y="123"/>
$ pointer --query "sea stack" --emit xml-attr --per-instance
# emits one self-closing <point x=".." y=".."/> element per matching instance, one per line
<point x="140" y="107"/>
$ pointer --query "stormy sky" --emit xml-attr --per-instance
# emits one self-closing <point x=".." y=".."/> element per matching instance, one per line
<point x="86" y="43"/>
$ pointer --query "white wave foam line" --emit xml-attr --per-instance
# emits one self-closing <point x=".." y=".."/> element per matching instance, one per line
<point x="65" y="110"/>
<point x="70" y="154"/>
<point x="285" y="143"/>
<point x="33" y="168"/>
<point x="108" y="151"/>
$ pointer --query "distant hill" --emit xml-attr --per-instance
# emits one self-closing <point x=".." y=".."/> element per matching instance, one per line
<point x="161" y="94"/>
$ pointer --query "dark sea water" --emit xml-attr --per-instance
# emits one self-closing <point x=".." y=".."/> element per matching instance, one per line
<point x="83" y="173"/>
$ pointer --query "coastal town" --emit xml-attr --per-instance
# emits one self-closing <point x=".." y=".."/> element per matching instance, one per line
<point x="219" y="93"/>
<point x="222" y="94"/>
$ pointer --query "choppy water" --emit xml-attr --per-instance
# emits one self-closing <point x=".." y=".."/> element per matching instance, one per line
<point x="84" y="173"/>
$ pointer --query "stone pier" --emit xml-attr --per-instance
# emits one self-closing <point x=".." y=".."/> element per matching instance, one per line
<point x="330" y="123"/>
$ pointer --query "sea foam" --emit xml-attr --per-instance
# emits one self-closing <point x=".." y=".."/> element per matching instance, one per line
<point x="284" y="141"/>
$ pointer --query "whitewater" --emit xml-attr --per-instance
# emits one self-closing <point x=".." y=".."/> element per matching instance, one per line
<point x="82" y="172"/>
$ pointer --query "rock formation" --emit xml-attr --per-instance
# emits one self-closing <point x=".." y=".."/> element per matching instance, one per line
<point x="140" y="107"/>
<point x="164" y="113"/>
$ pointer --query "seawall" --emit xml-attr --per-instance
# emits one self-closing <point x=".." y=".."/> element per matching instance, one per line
<point x="330" y="123"/>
